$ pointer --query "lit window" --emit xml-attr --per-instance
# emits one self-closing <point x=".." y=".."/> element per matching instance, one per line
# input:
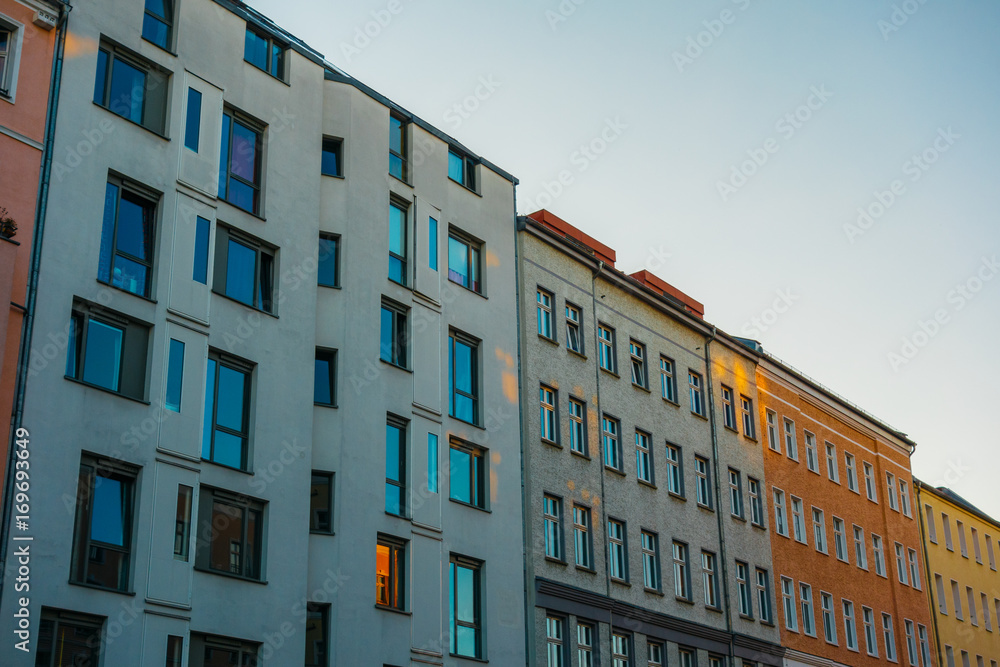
<point x="390" y="572"/>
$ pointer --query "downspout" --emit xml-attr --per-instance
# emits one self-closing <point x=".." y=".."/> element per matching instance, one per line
<point x="600" y="436"/>
<point x="27" y="324"/>
<point x="526" y="554"/>
<point x="724" y="569"/>
<point x="918" y="485"/>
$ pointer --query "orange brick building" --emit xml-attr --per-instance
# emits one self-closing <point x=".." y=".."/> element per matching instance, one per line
<point x="850" y="585"/>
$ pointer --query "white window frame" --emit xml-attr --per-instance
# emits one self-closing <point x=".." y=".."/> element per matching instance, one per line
<point x="840" y="540"/>
<point x="13" y="63"/>
<point x="871" y="490"/>
<point x="812" y="456"/>
<point x="773" y="441"/>
<point x="850" y="467"/>
<point x="791" y="447"/>
<point x="808" y="613"/>
<point x="832" y="469"/>
<point x="789" y="604"/>
<point x="819" y="529"/>
<point x="850" y="626"/>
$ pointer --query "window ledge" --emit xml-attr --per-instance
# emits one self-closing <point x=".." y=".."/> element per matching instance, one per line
<point x="397" y="516"/>
<point x="543" y="337"/>
<point x="671" y="402"/>
<point x="467" y="423"/>
<point x="583" y="456"/>
<point x="577" y="353"/>
<point x="769" y="624"/>
<point x="469" y="289"/>
<point x="717" y="610"/>
<point x="464" y="186"/>
<point x="551" y="443"/>
<point x="588" y="570"/>
<point x="100" y="588"/>
<point x="245" y="305"/>
<point x="699" y="415"/>
<point x="173" y="53"/>
<point x="230" y="575"/>
<point x="106" y="390"/>
<point x="707" y="508"/>
<point x="620" y="582"/>
<point x="751" y="438"/>
<point x="393" y="610"/>
<point x="469" y="505"/>
<point x="129" y="120"/>
<point x="610" y="372"/>
<point x="276" y="78"/>
<point x="340" y="176"/>
<point x="223" y="465"/>
<point x="556" y="561"/>
<point x="745" y="617"/>
<point x="396" y="366"/>
<point x="650" y="485"/>
<point x="122" y="289"/>
<point x="469" y="657"/>
<point x="240" y="209"/>
<point x="684" y="600"/>
<point x="654" y="591"/>
<point x="676" y="496"/>
<point x="730" y="428"/>
<point x="614" y="470"/>
<point x="641" y="388"/>
<point x="758" y="525"/>
<point x="397" y="178"/>
<point x="737" y="517"/>
<point x="325" y="533"/>
<point x="329" y="286"/>
<point x="325" y="405"/>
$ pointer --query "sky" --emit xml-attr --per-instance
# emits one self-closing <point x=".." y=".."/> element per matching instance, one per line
<point x="820" y="175"/>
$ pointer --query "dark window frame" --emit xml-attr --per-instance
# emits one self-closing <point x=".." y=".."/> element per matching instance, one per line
<point x="232" y="116"/>
<point x="316" y="525"/>
<point x="167" y="21"/>
<point x="334" y="146"/>
<point x="265" y="287"/>
<point x="396" y="121"/>
<point x="132" y="375"/>
<point x="155" y="103"/>
<point x="403" y="426"/>
<point x="149" y="200"/>
<point x="396" y="576"/>
<point x="328" y="355"/>
<point x="478" y="623"/>
<point x="473" y="259"/>
<point x="402" y="259"/>
<point x="279" y="69"/>
<point x="223" y="360"/>
<point x="477" y="474"/>
<point x="454" y="338"/>
<point x="329" y="247"/>
<point x="470" y="169"/>
<point x="250" y="557"/>
<point x="399" y="336"/>
<point x="48" y="641"/>
<point x="321" y="612"/>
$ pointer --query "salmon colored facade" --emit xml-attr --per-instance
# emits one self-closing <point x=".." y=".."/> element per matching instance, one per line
<point x="27" y="44"/>
<point x="963" y="553"/>
<point x="845" y="533"/>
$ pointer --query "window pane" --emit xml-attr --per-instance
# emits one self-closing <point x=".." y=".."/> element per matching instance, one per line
<point x="395" y="135"/>
<point x="232" y="388"/>
<point x="255" y="50"/>
<point x="465" y="600"/>
<point x="206" y="435"/>
<point x="224" y="154"/>
<point x="432" y="462"/>
<point x="201" y="234"/>
<point x="463" y="367"/>
<point x="331" y="157"/>
<point x="319" y="503"/>
<point x="458" y="262"/>
<point x="397" y="230"/>
<point x="182" y="522"/>
<point x="461" y="475"/>
<point x="244" y="158"/>
<point x="432" y="243"/>
<point x="265" y="283"/>
<point x="128" y="90"/>
<point x="102" y="75"/>
<point x="175" y="375"/>
<point x="277" y="67"/>
<point x="107" y="518"/>
<point x="130" y="275"/>
<point x="455" y="167"/>
<point x="328" y="256"/>
<point x="322" y="383"/>
<point x="228" y="449"/>
<point x="240" y="267"/>
<point x="155" y="30"/>
<point x="108" y="232"/>
<point x="226" y="553"/>
<point x="242" y="195"/>
<point x="102" y="362"/>
<point x="192" y="126"/>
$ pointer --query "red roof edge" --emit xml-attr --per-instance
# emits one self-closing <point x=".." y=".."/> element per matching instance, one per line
<point x="657" y="284"/>
<point x="560" y="226"/>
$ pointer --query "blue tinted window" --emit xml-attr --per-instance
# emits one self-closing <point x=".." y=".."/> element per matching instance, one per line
<point x="175" y="375"/>
<point x="455" y="167"/>
<point x="156" y="22"/>
<point x="386" y="338"/>
<point x="331" y="157"/>
<point x="206" y="434"/>
<point x="108" y="232"/>
<point x="432" y="462"/>
<point x="201" y="235"/>
<point x="225" y="433"/>
<point x="432" y="243"/>
<point x="329" y="256"/>
<point x="323" y="384"/>
<point x="128" y="90"/>
<point x="395" y="470"/>
<point x="192" y="126"/>
<point x="240" y="268"/>
<point x="463" y="381"/>
<point x="224" y="155"/>
<point x="397" y="148"/>
<point x="232" y="392"/>
<point x="255" y="50"/>
<point x="397" y="244"/>
<point x="103" y="355"/>
<point x="102" y="75"/>
<point x="460" y="481"/>
<point x="107" y="519"/>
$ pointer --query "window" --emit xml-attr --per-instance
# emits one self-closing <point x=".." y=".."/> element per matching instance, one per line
<point x="398" y="149"/>
<point x="577" y="430"/>
<point x="682" y="580"/>
<point x="987" y="620"/>
<point x="688" y="657"/>
<point x="552" y="525"/>
<point x="637" y="355"/>
<point x="790" y="447"/>
<point x="606" y="348"/>
<point x="612" y="443"/>
<point x="850" y="629"/>
<point x="860" y="553"/>
<point x="780" y="520"/>
<point x="464" y="266"/>
<point x="8" y="37"/>
<point x="66" y="638"/>
<point x="956" y="598"/>
<point x="901" y="564"/>
<point x="463" y="359"/>
<point x="432" y="462"/>
<point x="812" y="457"/>
<point x="468" y="474"/>
<point x="192" y="122"/>
<point x="244" y="269"/>
<point x="675" y="478"/>
<point x="890" y="638"/>
<point x="735" y="493"/>
<point x="925" y="646"/>
<point x="788" y="604"/>
<point x="127" y="237"/>
<point x="743" y="590"/>
<point x="461" y="169"/>
<point x="772" y="431"/>
<point x="397" y="243"/>
<point x="394" y="337"/>
<point x="617" y="556"/>
<point x="829" y="625"/>
<point x="102" y="542"/>
<point x="543" y="301"/>
<point x="240" y="173"/>
<point x="199" y="270"/>
<point x="584" y="645"/>
<point x="328" y="272"/>
<point x="756" y="504"/>
<point x="574" y="342"/>
<point x="960" y="529"/>
<point x="890" y="487"/>
<point x="182" y="523"/>
<point x="175" y="651"/>
<point x="395" y="466"/>
<point x="317" y="635"/>
<point x="878" y="555"/>
<point x="549" y="425"/>
<point x="655" y="652"/>
<point x="840" y="539"/>
<point x="582" y="546"/>
<point x="226" y="432"/>
<point x="265" y="53"/>
<point x="798" y="520"/>
<point x="911" y="642"/>
<point x="870" y="482"/>
<point x="620" y="655"/>
<point x="231" y="538"/>
<point x="819" y="530"/>
<point x="466" y="607"/>
<point x="871" y="641"/>
<point x="763" y="596"/>
<point x="650" y="560"/>
<point x="668" y="382"/>
<point x="746" y="407"/>
<point x="390" y="572"/>
<point x="554" y="646"/>
<point x="974" y="535"/>
<point x="708" y="580"/>
<point x="852" y="473"/>
<point x="831" y="463"/>
<point x="704" y="489"/>
<point x="432" y="244"/>
<point x="931" y="528"/>
<point x="175" y="376"/>
<point x="942" y="602"/>
<point x="946" y="525"/>
<point x="728" y="409"/>
<point x="695" y="393"/>
<point x="970" y="598"/>
<point x="321" y="503"/>
<point x="643" y="457"/>
<point x="332" y="163"/>
<point x="325" y="378"/>
<point x="904" y="498"/>
<point x="805" y="602"/>
<point x="131" y="87"/>
<point x="989" y="552"/>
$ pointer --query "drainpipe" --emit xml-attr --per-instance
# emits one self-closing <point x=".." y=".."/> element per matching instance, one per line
<point x="724" y="569"/>
<point x="600" y="435"/>
<point x="918" y="485"/>
<point x="27" y="324"/>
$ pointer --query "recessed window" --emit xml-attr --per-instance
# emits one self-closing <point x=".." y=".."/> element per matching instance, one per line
<point x="746" y="408"/>
<point x="107" y="350"/>
<point x="763" y="595"/>
<point x="870" y="482"/>
<point x="675" y="477"/>
<point x="244" y="269"/>
<point x="890" y="487"/>
<point x="211" y="650"/>
<point x="728" y="409"/>
<point x="612" y="442"/>
<point x="543" y="308"/>
<point x="227" y="412"/>
<point x="202" y="233"/>
<point x="878" y="555"/>
<point x="791" y="448"/>
<point x="650" y="560"/>
<point x="394" y="338"/>
<point x="583" y="548"/>
<point x="788" y="604"/>
<point x="333" y="161"/>
<point x="175" y="651"/>
<point x="132" y="87"/>
<point x="328" y="274"/>
<point x="321" y="503"/>
<point x="464" y="265"/>
<point x="265" y="53"/>
<point x="850" y="629"/>
<point x="574" y="318"/>
<point x="127" y="237"/>
<point x="851" y="471"/>
<point x="643" y="457"/>
<point x="8" y="37"/>
<point x="708" y="584"/>
<point x="102" y="543"/>
<point x="668" y="381"/>
<point x="585" y="634"/>
<point x="461" y="169"/>
<point x="806" y="605"/>
<point x="552" y="526"/>
<point x="621" y="650"/>
<point x="829" y="624"/>
<point x="812" y="456"/>
<point x="904" y="505"/>
<point x="390" y="569"/>
<point x="577" y="427"/>
<point x="175" y="375"/>
<point x="860" y="551"/>
<point x="463" y="376"/>
<point x="231" y="533"/>
<point x="467" y="465"/>
<point x="682" y="577"/>
<point x="832" y="471"/>
<point x="819" y="530"/>
<point x="606" y="348"/>
<point x="555" y="647"/>
<point x="756" y="502"/>
<point x="695" y="393"/>
<point x="68" y="638"/>
<point x="240" y="173"/>
<point x="395" y="466"/>
<point x="398" y="163"/>
<point x="432" y="244"/>
<point x="397" y="243"/>
<point x="182" y="523"/>
<point x="702" y="476"/>
<point x="317" y="635"/>
<point x="549" y="425"/>
<point x="780" y="517"/>
<point x="637" y="358"/>
<point x="743" y="590"/>
<point x="772" y="431"/>
<point x="325" y="378"/>
<point x="617" y="554"/>
<point x="735" y="493"/>
<point x="466" y="607"/>
<point x="192" y="124"/>
<point x="839" y="539"/>
<point x="798" y="520"/>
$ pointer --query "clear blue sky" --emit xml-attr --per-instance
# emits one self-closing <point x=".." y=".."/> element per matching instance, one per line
<point x="831" y="100"/>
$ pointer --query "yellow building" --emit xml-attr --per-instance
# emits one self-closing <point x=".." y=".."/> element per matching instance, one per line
<point x="962" y="549"/>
